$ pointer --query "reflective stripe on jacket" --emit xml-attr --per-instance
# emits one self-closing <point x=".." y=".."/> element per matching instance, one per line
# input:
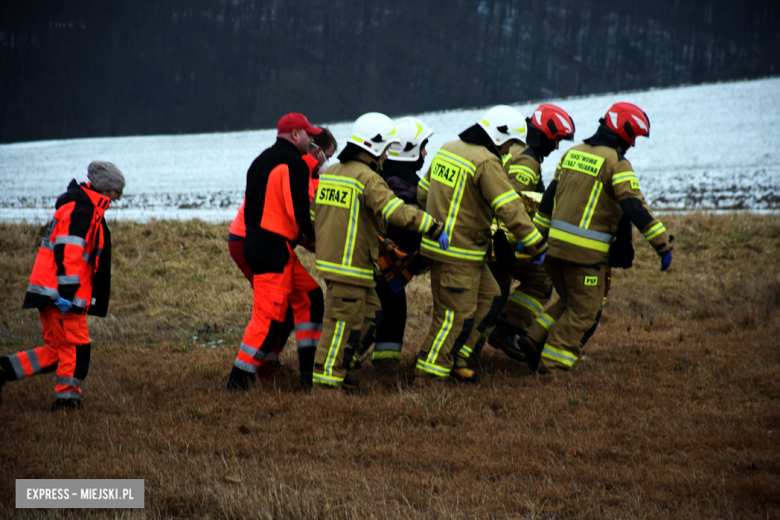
<point x="351" y="208"/>
<point x="524" y="173"/>
<point x="69" y="255"/>
<point x="592" y="187"/>
<point x="465" y="187"/>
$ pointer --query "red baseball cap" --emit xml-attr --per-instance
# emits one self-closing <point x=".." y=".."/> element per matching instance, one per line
<point x="295" y="121"/>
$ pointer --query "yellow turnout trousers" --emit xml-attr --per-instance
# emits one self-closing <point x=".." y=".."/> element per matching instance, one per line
<point x="573" y="318"/>
<point x="466" y="299"/>
<point x="350" y="311"/>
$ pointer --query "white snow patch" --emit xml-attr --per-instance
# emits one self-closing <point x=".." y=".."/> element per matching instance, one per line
<point x="711" y="147"/>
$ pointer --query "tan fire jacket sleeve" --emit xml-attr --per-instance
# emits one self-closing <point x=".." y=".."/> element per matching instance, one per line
<point x="422" y="189"/>
<point x="506" y="204"/>
<point x="523" y="172"/>
<point x="628" y="193"/>
<point x="383" y="202"/>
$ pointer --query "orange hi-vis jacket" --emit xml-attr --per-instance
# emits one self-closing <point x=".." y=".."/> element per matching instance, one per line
<point x="238" y="227"/>
<point x="277" y="194"/>
<point x="70" y="261"/>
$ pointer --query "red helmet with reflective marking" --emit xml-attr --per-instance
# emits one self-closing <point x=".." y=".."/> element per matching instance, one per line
<point x="553" y="122"/>
<point x="628" y="121"/>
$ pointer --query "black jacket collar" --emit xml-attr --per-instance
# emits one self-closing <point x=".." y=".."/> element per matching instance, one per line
<point x="476" y="135"/>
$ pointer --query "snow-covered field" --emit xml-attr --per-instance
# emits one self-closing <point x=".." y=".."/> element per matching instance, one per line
<point x="711" y="147"/>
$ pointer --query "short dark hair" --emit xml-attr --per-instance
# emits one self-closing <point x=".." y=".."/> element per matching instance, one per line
<point x="325" y="140"/>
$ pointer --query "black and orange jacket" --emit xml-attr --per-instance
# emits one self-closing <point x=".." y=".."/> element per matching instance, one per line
<point x="277" y="193"/>
<point x="74" y="260"/>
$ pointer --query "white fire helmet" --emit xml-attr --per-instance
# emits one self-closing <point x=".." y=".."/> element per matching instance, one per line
<point x="411" y="133"/>
<point x="503" y="123"/>
<point x="374" y="132"/>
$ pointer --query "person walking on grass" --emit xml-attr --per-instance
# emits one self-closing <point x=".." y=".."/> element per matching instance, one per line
<point x="352" y="206"/>
<point x="466" y="187"/>
<point x="276" y="219"/>
<point x="71" y="278"/>
<point x="587" y="213"/>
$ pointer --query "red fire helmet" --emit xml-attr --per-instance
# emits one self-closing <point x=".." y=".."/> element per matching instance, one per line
<point x="553" y="122"/>
<point x="628" y="121"/>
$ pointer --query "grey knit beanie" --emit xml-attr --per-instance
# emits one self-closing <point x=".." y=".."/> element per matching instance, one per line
<point x="105" y="176"/>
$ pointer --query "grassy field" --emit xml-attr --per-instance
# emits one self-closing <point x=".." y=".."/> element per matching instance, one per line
<point x="673" y="413"/>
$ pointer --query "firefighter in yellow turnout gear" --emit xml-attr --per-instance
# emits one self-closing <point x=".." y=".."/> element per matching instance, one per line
<point x="594" y="189"/>
<point x="465" y="187"/>
<point x="353" y="204"/>
<point x="547" y="126"/>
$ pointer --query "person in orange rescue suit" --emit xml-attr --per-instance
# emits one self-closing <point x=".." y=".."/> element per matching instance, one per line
<point x="352" y="206"/>
<point x="547" y="126"/>
<point x="594" y="189"/>
<point x="465" y="187"/>
<point x="70" y="279"/>
<point x="321" y="149"/>
<point x="276" y="217"/>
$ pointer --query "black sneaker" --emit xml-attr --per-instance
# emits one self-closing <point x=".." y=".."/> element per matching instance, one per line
<point x="504" y="339"/>
<point x="66" y="404"/>
<point x="349" y="385"/>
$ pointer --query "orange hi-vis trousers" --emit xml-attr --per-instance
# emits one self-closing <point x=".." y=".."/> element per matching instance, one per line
<point x="66" y="350"/>
<point x="273" y="293"/>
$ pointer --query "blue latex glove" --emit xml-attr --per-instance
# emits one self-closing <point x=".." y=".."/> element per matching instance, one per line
<point x="63" y="305"/>
<point x="538" y="260"/>
<point x="666" y="261"/>
<point x="444" y="240"/>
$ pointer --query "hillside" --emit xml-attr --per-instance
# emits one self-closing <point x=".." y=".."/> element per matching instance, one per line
<point x="711" y="147"/>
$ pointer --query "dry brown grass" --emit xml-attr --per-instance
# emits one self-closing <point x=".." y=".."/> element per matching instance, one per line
<point x="672" y="414"/>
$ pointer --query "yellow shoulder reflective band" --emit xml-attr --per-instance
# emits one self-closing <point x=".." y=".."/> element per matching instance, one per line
<point x="523" y="174"/>
<point x="311" y="214"/>
<point x="343" y="181"/>
<point x="506" y="158"/>
<point x="583" y="162"/>
<point x="424" y="184"/>
<point x="626" y="177"/>
<point x="502" y="199"/>
<point x="654" y="231"/>
<point x="457" y="159"/>
<point x="390" y="207"/>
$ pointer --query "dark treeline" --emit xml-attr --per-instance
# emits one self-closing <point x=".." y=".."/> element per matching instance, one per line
<point x="107" y="68"/>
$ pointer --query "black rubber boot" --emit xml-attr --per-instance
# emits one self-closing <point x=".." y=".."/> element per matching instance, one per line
<point x="349" y="385"/>
<point x="6" y="374"/>
<point x="240" y="380"/>
<point x="532" y="356"/>
<point x="503" y="338"/>
<point x="66" y="405"/>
